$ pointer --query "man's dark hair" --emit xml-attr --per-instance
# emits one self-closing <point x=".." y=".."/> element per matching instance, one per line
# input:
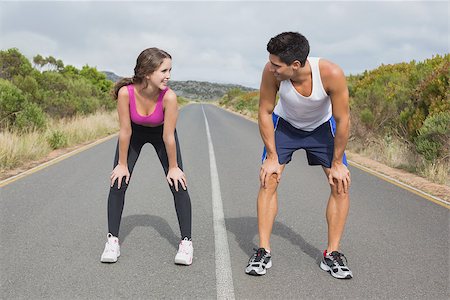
<point x="289" y="47"/>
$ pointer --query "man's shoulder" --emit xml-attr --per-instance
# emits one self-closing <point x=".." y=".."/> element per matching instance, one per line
<point x="329" y="69"/>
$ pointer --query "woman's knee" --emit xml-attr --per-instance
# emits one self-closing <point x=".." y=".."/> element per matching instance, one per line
<point x="180" y="193"/>
<point x="115" y="188"/>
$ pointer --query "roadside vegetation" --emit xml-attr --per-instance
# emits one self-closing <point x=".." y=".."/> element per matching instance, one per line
<point x="19" y="148"/>
<point x="45" y="105"/>
<point x="400" y="115"/>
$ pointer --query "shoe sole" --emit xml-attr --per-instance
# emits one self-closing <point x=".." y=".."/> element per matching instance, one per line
<point x="182" y="262"/>
<point x="326" y="268"/>
<point x="254" y="273"/>
<point x="263" y="272"/>
<point x="109" y="260"/>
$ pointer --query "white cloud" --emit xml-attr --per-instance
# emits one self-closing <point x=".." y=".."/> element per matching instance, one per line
<point x="224" y="41"/>
<point x="29" y="43"/>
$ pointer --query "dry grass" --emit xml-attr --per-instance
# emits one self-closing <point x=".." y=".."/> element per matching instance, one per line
<point x="439" y="173"/>
<point x="83" y="129"/>
<point x="17" y="149"/>
<point x="390" y="152"/>
<point x="397" y="154"/>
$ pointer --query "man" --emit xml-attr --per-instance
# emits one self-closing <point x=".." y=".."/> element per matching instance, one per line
<point x="312" y="114"/>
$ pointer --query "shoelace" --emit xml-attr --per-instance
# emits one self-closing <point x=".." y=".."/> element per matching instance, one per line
<point x="259" y="254"/>
<point x="110" y="247"/>
<point x="339" y="258"/>
<point x="184" y="247"/>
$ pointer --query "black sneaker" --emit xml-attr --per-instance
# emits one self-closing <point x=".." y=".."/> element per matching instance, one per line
<point x="259" y="262"/>
<point x="336" y="264"/>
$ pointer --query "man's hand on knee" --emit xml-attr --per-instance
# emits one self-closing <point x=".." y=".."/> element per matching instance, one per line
<point x="270" y="169"/>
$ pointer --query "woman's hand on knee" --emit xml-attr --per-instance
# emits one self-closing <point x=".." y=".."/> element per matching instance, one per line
<point x="175" y="176"/>
<point x="118" y="173"/>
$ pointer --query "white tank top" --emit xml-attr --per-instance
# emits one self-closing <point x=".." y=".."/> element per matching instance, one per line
<point x="305" y="113"/>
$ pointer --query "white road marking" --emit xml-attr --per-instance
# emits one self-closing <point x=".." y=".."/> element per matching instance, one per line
<point x="224" y="277"/>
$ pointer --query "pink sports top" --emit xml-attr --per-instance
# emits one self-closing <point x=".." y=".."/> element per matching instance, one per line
<point x="155" y="118"/>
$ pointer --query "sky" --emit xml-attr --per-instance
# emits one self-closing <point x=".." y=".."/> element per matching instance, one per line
<point x="224" y="41"/>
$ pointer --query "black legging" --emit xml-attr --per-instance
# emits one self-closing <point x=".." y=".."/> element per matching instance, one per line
<point x="140" y="136"/>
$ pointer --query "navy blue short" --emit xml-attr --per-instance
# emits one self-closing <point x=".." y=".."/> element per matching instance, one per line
<point x="318" y="144"/>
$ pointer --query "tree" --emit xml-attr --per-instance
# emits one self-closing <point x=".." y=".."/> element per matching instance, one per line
<point x="39" y="61"/>
<point x="13" y="63"/>
<point x="16" y="111"/>
<point x="70" y="71"/>
<point x="59" y="65"/>
<point x="97" y="78"/>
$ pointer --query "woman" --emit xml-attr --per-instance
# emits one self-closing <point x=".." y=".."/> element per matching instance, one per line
<point x="148" y="113"/>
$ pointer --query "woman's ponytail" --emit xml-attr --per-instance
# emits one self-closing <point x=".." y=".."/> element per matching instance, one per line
<point x="122" y="82"/>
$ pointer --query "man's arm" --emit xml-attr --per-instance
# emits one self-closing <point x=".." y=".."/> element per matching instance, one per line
<point x="336" y="87"/>
<point x="267" y="98"/>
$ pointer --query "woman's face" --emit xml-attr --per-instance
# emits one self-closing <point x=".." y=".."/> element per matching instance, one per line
<point x="161" y="76"/>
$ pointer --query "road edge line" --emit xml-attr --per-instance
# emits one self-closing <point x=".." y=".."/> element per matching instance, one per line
<point x="403" y="185"/>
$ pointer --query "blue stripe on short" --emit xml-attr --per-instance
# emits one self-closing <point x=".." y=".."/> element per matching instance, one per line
<point x="333" y="132"/>
<point x="275" y="119"/>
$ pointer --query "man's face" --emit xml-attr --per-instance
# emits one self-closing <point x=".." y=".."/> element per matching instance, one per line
<point x="279" y="69"/>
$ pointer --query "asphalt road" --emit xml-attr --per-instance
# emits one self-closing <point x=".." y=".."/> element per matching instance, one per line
<point x="53" y="228"/>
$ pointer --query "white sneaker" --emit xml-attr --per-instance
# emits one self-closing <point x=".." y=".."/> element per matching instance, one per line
<point x="112" y="250"/>
<point x="185" y="252"/>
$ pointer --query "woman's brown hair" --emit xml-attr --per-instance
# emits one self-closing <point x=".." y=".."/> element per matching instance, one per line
<point x="147" y="62"/>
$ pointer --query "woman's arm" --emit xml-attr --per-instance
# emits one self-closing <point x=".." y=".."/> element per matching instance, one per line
<point x="123" y="109"/>
<point x="175" y="174"/>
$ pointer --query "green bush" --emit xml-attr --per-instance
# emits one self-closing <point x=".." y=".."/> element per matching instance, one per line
<point x="428" y="149"/>
<point x="240" y="105"/>
<point x="13" y="63"/>
<point x="53" y="81"/>
<point x="97" y="78"/>
<point x="367" y="117"/>
<point x="57" y="139"/>
<point x="30" y="118"/>
<point x="182" y="101"/>
<point x="433" y="139"/>
<point x="57" y="104"/>
<point x="87" y="105"/>
<point x="233" y="93"/>
<point x="27" y="84"/>
<point x="70" y="71"/>
<point x="400" y="97"/>
<point x="60" y="91"/>
<point x="12" y="101"/>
